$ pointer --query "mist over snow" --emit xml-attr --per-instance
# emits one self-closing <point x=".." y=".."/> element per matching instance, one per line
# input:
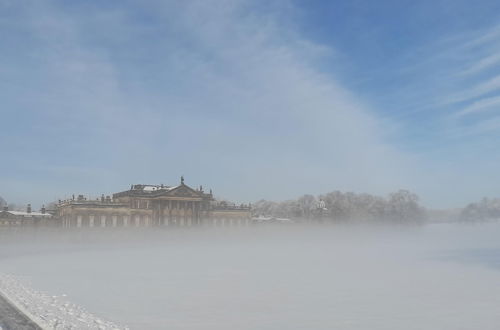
<point x="433" y="277"/>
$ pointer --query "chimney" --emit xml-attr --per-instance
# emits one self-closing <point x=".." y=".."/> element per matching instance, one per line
<point x="102" y="198"/>
<point x="43" y="209"/>
<point x="5" y="208"/>
<point x="28" y="209"/>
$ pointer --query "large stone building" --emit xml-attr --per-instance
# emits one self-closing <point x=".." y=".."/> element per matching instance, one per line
<point x="152" y="205"/>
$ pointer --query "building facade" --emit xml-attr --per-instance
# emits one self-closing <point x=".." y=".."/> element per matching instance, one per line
<point x="152" y="205"/>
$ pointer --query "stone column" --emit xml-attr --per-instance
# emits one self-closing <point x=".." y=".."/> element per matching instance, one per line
<point x="182" y="214"/>
<point x="187" y="214"/>
<point x="166" y="217"/>
<point x="196" y="213"/>
<point x="193" y="214"/>
<point x="161" y="208"/>
<point x="167" y="213"/>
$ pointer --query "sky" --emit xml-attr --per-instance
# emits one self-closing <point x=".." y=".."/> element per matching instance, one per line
<point x="253" y="99"/>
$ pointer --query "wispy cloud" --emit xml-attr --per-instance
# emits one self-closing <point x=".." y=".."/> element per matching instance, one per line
<point x="228" y="95"/>
<point x="467" y="83"/>
<point x="481" y="65"/>
<point x="481" y="38"/>
<point x="481" y="105"/>
<point x="476" y="91"/>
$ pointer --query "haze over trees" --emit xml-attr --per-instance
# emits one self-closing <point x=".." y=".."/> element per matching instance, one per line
<point x="399" y="207"/>
<point x="486" y="210"/>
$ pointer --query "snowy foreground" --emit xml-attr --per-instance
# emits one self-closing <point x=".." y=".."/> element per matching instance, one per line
<point x="50" y="312"/>
<point x="436" y="277"/>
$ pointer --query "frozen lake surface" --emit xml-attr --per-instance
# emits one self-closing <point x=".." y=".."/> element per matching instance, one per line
<point x="432" y="277"/>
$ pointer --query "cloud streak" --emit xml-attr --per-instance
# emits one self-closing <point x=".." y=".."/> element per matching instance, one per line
<point x="226" y="93"/>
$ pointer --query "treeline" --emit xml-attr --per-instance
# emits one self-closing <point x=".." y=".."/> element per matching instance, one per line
<point x="399" y="207"/>
<point x="486" y="210"/>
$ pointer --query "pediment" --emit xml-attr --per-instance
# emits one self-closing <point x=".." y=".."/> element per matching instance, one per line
<point x="183" y="191"/>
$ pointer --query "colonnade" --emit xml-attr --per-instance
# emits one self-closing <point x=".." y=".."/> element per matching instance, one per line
<point x="179" y="213"/>
<point x="182" y="220"/>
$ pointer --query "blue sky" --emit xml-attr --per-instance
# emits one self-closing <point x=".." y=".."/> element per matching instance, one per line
<point x="250" y="98"/>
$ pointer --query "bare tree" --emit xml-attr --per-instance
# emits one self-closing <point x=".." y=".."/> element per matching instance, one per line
<point x="400" y="207"/>
<point x="483" y="211"/>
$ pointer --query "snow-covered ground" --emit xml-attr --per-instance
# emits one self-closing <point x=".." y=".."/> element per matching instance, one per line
<point x="48" y="311"/>
<point x="433" y="277"/>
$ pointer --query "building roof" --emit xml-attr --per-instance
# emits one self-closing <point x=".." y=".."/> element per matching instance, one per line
<point x="146" y="190"/>
<point x="27" y="214"/>
<point x="151" y="187"/>
<point x="92" y="203"/>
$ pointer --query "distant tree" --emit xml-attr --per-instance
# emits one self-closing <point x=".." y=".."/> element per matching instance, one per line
<point x="306" y="205"/>
<point x="400" y="207"/>
<point x="404" y="207"/>
<point x="483" y="211"/>
<point x="264" y="207"/>
<point x="339" y="205"/>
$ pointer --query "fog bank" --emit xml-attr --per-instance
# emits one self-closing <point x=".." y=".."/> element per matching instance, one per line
<point x="317" y="277"/>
